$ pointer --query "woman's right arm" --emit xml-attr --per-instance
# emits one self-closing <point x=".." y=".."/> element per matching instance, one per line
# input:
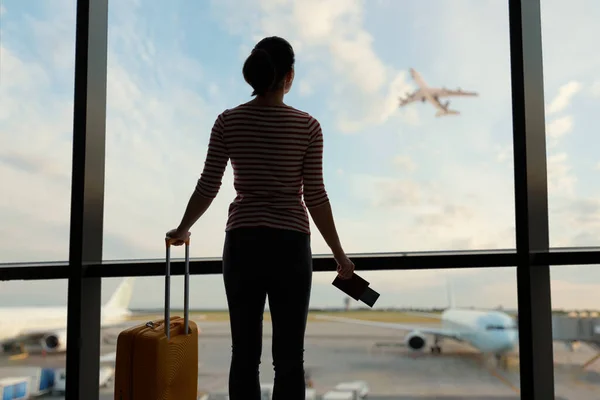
<point x="316" y="199"/>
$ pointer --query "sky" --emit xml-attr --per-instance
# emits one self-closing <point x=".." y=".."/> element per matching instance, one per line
<point x="399" y="179"/>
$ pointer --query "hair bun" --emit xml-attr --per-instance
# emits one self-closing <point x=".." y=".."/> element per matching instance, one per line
<point x="268" y="63"/>
<point x="259" y="71"/>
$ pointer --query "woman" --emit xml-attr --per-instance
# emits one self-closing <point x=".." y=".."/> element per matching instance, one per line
<point x="276" y="152"/>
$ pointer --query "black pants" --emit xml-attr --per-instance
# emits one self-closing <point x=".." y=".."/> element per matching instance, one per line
<point x="258" y="262"/>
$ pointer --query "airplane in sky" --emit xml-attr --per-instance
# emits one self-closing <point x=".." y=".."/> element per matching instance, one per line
<point x="427" y="93"/>
<point x="47" y="326"/>
<point x="490" y="332"/>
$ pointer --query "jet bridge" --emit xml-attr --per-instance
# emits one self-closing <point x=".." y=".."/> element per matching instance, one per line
<point x="577" y="327"/>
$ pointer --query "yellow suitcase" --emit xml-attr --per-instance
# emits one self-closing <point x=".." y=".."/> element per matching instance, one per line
<point x="159" y="362"/>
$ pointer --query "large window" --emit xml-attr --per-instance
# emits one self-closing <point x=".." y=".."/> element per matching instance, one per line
<point x="408" y="172"/>
<point x="37" y="52"/>
<point x="399" y="178"/>
<point x="576" y="330"/>
<point x="572" y="97"/>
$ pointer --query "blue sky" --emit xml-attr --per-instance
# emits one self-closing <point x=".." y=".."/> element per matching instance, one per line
<point x="399" y="179"/>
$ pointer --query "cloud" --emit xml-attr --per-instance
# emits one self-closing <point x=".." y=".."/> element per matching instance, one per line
<point x="504" y="153"/>
<point x="564" y="97"/>
<point x="390" y="192"/>
<point x="581" y="217"/>
<point x="405" y="163"/>
<point x="410" y="215"/>
<point x="558" y="127"/>
<point x="568" y="32"/>
<point x="305" y="88"/>
<point x="561" y="176"/>
<point x="595" y="89"/>
<point x="330" y="34"/>
<point x="561" y="180"/>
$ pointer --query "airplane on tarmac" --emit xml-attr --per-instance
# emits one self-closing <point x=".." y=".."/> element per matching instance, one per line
<point x="427" y="93"/>
<point x="490" y="332"/>
<point x="47" y="326"/>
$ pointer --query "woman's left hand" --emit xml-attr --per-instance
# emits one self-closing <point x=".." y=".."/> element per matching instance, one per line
<point x="178" y="237"/>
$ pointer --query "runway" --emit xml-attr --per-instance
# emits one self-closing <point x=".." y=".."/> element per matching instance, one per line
<point x="336" y="353"/>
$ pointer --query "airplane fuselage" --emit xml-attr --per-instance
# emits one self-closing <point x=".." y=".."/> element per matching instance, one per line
<point x="14" y="320"/>
<point x="489" y="331"/>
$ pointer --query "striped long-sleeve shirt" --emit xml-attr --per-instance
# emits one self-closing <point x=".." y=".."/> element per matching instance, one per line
<point x="277" y="157"/>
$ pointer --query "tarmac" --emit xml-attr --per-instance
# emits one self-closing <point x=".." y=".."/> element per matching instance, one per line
<point x="337" y="352"/>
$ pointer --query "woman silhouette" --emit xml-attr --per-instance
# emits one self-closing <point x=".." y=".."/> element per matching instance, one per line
<point x="276" y="152"/>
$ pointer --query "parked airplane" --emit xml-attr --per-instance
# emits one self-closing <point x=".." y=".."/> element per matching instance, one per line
<point x="491" y="332"/>
<point x="427" y="93"/>
<point x="47" y="326"/>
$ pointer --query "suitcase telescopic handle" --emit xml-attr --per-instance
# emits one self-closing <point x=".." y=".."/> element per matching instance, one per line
<point x="186" y="291"/>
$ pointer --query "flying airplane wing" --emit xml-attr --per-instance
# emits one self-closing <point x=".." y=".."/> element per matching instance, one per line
<point x="451" y="93"/>
<point x="412" y="97"/>
<point x="430" y="330"/>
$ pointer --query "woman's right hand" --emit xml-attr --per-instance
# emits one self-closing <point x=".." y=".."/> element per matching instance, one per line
<point x="345" y="267"/>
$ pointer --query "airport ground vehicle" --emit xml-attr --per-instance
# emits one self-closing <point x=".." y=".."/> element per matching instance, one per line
<point x="339" y="395"/>
<point x="361" y="388"/>
<point x="106" y="376"/>
<point x="14" y="388"/>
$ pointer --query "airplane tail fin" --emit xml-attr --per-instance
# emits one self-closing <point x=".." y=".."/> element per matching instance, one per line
<point x="122" y="296"/>
<point x="447" y="112"/>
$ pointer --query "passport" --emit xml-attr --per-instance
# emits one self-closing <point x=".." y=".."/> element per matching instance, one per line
<point x="357" y="288"/>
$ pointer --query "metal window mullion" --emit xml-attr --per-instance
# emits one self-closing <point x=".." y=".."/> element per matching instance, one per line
<point x="87" y="200"/>
<point x="142" y="268"/>
<point x="531" y="201"/>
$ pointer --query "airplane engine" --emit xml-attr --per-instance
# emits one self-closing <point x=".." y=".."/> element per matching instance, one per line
<point x="55" y="342"/>
<point x="415" y="341"/>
